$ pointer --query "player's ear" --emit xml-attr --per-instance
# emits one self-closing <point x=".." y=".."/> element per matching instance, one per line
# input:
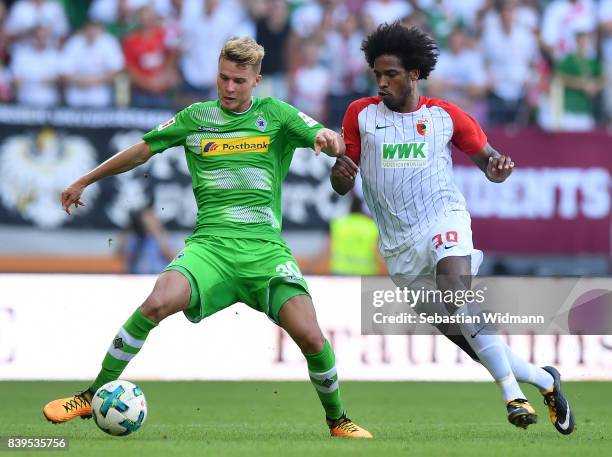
<point x="258" y="79"/>
<point x="413" y="75"/>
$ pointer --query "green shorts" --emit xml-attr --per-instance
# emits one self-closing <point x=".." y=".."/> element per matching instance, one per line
<point x="223" y="271"/>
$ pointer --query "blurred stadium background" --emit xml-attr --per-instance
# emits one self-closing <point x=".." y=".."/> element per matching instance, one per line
<point x="80" y="80"/>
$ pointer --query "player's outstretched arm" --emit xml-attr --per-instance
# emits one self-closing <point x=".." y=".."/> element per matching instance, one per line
<point x="122" y="161"/>
<point x="329" y="142"/>
<point x="343" y="174"/>
<point x="496" y="167"/>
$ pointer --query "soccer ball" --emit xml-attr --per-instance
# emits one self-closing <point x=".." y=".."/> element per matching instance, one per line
<point x="119" y="408"/>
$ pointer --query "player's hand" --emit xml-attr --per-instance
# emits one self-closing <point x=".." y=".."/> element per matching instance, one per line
<point x="72" y="196"/>
<point x="345" y="167"/>
<point x="329" y="142"/>
<point x="499" y="168"/>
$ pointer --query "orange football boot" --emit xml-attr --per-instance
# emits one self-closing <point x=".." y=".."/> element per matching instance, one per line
<point x="344" y="427"/>
<point x="65" y="409"/>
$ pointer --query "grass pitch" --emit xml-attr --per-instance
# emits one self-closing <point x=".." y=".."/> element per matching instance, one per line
<point x="285" y="419"/>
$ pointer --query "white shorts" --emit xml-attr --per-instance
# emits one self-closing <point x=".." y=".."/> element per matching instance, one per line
<point x="448" y="236"/>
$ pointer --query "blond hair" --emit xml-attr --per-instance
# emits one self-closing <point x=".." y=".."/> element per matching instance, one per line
<point x="243" y="51"/>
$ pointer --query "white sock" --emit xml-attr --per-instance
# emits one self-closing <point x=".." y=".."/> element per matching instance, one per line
<point x="492" y="354"/>
<point x="527" y="372"/>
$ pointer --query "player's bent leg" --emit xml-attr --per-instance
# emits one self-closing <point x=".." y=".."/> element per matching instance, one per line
<point x="299" y="319"/>
<point x="454" y="273"/>
<point x="171" y="293"/>
<point x="528" y="372"/>
<point x="523" y="371"/>
<point x="297" y="316"/>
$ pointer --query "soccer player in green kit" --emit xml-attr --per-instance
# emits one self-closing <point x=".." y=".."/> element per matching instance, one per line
<point x="238" y="151"/>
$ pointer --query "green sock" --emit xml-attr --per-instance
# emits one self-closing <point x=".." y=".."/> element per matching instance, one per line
<point x="123" y="348"/>
<point x="322" y="372"/>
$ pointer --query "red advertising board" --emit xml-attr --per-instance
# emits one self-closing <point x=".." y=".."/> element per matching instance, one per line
<point x="557" y="200"/>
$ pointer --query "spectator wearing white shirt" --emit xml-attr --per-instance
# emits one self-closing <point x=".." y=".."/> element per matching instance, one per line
<point x="348" y="80"/>
<point x="460" y="76"/>
<point x="36" y="71"/>
<point x="525" y="14"/>
<point x="310" y="16"/>
<point x="439" y="20"/>
<point x="273" y="32"/>
<point x="510" y="50"/>
<point x="310" y="83"/>
<point x="560" y="22"/>
<point x="171" y="12"/>
<point x="92" y="59"/>
<point x="109" y="11"/>
<point x="120" y="17"/>
<point x="465" y="13"/>
<point x="381" y="11"/>
<point x="204" y="35"/>
<point x="25" y="15"/>
<point x="194" y="8"/>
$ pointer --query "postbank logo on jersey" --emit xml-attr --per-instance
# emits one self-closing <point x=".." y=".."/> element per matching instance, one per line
<point x="404" y="155"/>
<point x="222" y="146"/>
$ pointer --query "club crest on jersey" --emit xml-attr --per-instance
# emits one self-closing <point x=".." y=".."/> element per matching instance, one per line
<point x="222" y="146"/>
<point x="422" y="126"/>
<point x="261" y="123"/>
<point x="404" y="155"/>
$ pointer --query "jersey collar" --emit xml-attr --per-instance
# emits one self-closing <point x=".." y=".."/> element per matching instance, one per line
<point x="422" y="101"/>
<point x="234" y="112"/>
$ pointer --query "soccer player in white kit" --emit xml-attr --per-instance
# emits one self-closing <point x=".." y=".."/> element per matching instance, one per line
<point x="401" y="143"/>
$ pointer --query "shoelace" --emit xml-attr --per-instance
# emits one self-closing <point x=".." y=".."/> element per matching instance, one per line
<point x="518" y="403"/>
<point x="78" y="401"/>
<point x="347" y="426"/>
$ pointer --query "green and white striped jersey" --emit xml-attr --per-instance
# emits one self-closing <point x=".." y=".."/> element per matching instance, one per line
<point x="237" y="162"/>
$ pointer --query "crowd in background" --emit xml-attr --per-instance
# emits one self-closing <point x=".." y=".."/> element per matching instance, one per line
<point x="507" y="62"/>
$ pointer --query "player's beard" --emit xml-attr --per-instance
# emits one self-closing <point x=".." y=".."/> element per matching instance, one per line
<point x="398" y="102"/>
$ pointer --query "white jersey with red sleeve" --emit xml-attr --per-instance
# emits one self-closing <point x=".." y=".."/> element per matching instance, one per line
<point x="406" y="166"/>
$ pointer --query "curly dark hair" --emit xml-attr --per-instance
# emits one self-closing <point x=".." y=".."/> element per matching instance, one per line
<point x="413" y="47"/>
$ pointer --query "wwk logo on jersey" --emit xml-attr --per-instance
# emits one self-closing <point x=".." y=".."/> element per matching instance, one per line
<point x="221" y="146"/>
<point x="404" y="155"/>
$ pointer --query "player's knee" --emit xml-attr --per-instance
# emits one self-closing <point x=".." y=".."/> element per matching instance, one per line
<point x="453" y="273"/>
<point x="452" y="282"/>
<point x="311" y="341"/>
<point x="155" y="307"/>
<point x="170" y="295"/>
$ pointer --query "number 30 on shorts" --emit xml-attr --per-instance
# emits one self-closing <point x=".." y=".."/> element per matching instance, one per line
<point x="451" y="237"/>
<point x="289" y="268"/>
